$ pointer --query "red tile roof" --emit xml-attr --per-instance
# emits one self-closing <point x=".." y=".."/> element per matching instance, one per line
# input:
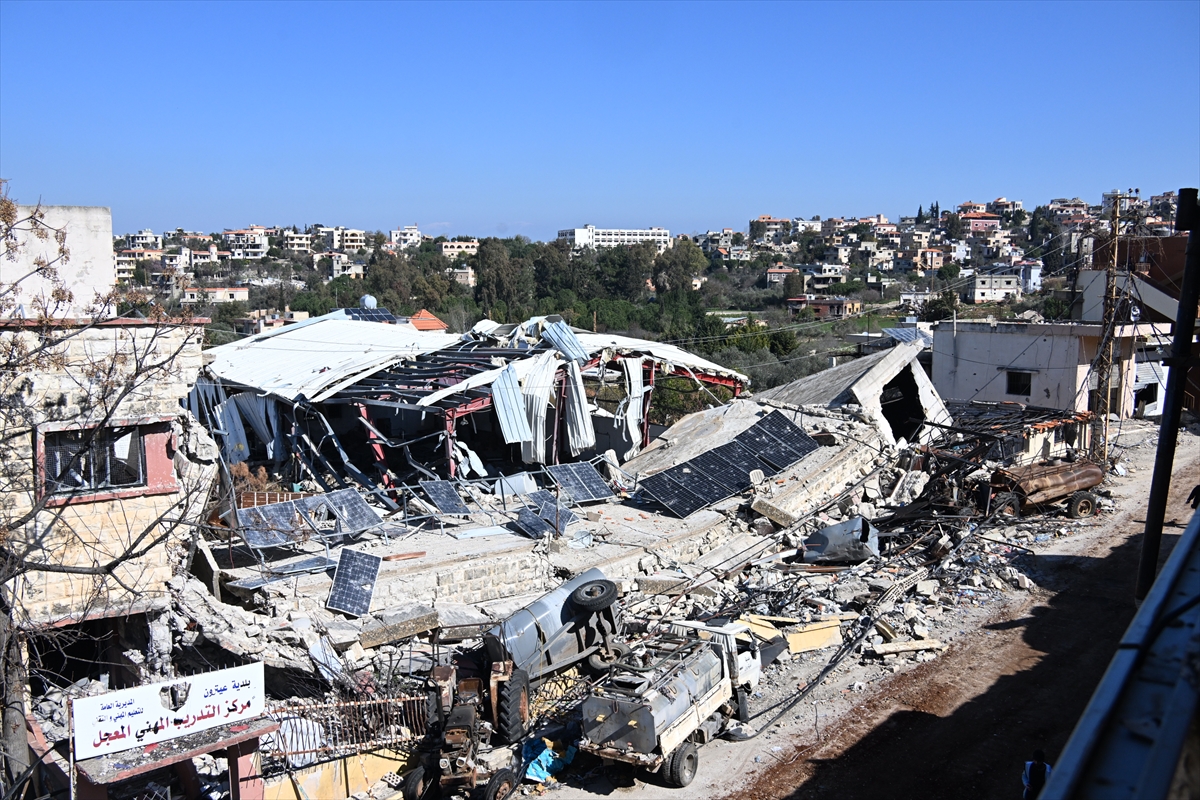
<point x="425" y="321"/>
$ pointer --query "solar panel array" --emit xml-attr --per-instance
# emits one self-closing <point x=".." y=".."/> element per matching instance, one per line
<point x="580" y="482"/>
<point x="772" y="444"/>
<point x="370" y="314"/>
<point x="354" y="582"/>
<point x="549" y="509"/>
<point x="445" y="497"/>
<point x="280" y="524"/>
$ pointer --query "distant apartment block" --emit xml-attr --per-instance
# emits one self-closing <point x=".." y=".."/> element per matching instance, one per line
<point x="216" y="294"/>
<point x="143" y="240"/>
<point x="405" y="237"/>
<point x="127" y="261"/>
<point x="263" y="320"/>
<point x="801" y="226"/>
<point x="774" y="227"/>
<point x="453" y="250"/>
<point x="993" y="288"/>
<point x="249" y="243"/>
<point x="296" y="242"/>
<point x="464" y="275"/>
<point x="779" y="274"/>
<point x="713" y="241"/>
<point x="971" y="207"/>
<point x="1002" y="205"/>
<point x="345" y="239"/>
<point x="825" y="307"/>
<point x="601" y="238"/>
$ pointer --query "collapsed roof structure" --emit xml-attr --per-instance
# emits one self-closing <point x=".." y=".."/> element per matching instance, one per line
<point x="382" y="405"/>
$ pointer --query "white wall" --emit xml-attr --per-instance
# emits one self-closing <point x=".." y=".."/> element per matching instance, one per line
<point x="90" y="269"/>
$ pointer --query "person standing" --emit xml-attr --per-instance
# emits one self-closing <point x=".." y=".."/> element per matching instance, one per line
<point x="1194" y="497"/>
<point x="1036" y="773"/>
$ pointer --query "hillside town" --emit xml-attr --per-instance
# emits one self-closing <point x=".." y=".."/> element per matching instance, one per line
<point x="322" y="512"/>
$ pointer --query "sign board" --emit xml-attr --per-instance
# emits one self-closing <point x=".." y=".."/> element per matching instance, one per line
<point x="156" y="712"/>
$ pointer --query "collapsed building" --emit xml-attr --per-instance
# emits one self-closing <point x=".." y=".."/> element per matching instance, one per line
<point x="386" y="497"/>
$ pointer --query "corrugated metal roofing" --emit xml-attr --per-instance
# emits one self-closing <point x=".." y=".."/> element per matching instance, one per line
<point x="565" y="341"/>
<point x="910" y="335"/>
<point x="317" y="357"/>
<point x="596" y="342"/>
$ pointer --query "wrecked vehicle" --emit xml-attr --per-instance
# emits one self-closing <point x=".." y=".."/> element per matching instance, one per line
<point x="654" y="708"/>
<point x="576" y="622"/>
<point x="1017" y="490"/>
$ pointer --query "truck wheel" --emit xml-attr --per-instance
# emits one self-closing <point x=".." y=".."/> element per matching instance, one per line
<point x="416" y="787"/>
<point x="1083" y="504"/>
<point x="595" y="595"/>
<point x="502" y="784"/>
<point x="600" y="660"/>
<point x="514" y="707"/>
<point x="1007" y="505"/>
<point x="681" y="768"/>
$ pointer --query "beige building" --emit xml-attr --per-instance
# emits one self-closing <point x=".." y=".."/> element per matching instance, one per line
<point x="109" y="457"/>
<point x="453" y="250"/>
<point x="296" y="242"/>
<point x="347" y="239"/>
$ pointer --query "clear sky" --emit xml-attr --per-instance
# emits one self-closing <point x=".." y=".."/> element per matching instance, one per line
<point x="500" y="118"/>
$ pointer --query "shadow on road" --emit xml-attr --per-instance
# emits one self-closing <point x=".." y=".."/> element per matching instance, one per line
<point x="978" y="750"/>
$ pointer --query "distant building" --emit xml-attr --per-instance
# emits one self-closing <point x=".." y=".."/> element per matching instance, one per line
<point x="712" y="241"/>
<point x="296" y="242"/>
<point x="127" y="261"/>
<point x="143" y="240"/>
<point x="774" y="228"/>
<point x="779" y="274"/>
<point x="463" y="275"/>
<point x="970" y="207"/>
<point x="1002" y="205"/>
<point x="249" y="243"/>
<point x="825" y="307"/>
<point x="453" y="250"/>
<point x="345" y="239"/>
<point x="263" y="320"/>
<point x="216" y="294"/>
<point x="406" y="237"/>
<point x="994" y="287"/>
<point x="601" y="238"/>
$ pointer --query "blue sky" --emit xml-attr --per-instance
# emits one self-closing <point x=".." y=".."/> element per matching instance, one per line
<point x="497" y="119"/>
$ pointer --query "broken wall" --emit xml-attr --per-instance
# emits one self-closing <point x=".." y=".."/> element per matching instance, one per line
<point x="75" y="389"/>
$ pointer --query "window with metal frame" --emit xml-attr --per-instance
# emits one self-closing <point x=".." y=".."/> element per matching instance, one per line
<point x="85" y="461"/>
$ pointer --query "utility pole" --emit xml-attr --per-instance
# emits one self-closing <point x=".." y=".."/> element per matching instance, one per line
<point x="1187" y="218"/>
<point x="1108" y="328"/>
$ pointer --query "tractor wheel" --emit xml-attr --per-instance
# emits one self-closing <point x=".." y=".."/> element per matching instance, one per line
<point x="418" y="787"/>
<point x="502" y="785"/>
<point x="513" y="707"/>
<point x="1007" y="505"/>
<point x="600" y="660"/>
<point x="682" y="765"/>
<point x="1083" y="504"/>
<point x="595" y="595"/>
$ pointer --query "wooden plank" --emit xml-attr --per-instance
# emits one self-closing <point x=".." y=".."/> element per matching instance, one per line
<point x="774" y="620"/>
<point x="907" y="647"/>
<point x="404" y="556"/>
<point x="763" y="630"/>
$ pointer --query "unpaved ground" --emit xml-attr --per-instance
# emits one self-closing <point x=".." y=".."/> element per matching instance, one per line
<point x="1016" y="677"/>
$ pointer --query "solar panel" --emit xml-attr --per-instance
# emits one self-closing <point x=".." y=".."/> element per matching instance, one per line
<point x="280" y="524"/>
<point x="534" y="526"/>
<point x="580" y="482"/>
<point x="351" y="508"/>
<point x="743" y="459"/>
<point x="767" y="447"/>
<point x="549" y="509"/>
<point x="354" y="582"/>
<point x="370" y="314"/>
<point x="789" y="433"/>
<point x="678" y="500"/>
<point x="699" y="484"/>
<point x="278" y="572"/>
<point x="445" y="497"/>
<point x="713" y="466"/>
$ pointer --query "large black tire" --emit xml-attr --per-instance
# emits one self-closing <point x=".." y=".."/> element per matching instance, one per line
<point x="1007" y="505"/>
<point x="682" y="765"/>
<point x="417" y="787"/>
<point x="595" y="595"/>
<point x="1083" y="504"/>
<point x="433" y="709"/>
<point x="600" y="661"/>
<point x="514" y="707"/>
<point x="502" y="785"/>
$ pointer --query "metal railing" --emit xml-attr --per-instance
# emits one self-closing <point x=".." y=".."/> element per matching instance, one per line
<point x="312" y="731"/>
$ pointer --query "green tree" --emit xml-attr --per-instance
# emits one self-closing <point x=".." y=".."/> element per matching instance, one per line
<point x="738" y="239"/>
<point x="953" y="225"/>
<point x="758" y="230"/>
<point x="948" y="271"/>
<point x="920" y="215"/>
<point x="793" y="285"/>
<point x="940" y="307"/>
<point x="676" y="266"/>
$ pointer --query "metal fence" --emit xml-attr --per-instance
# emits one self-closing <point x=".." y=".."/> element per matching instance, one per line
<point x="312" y="731"/>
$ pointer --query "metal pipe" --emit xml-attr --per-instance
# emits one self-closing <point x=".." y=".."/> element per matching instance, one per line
<point x="1187" y="216"/>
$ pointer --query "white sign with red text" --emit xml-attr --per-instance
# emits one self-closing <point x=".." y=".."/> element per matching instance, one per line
<point x="143" y="715"/>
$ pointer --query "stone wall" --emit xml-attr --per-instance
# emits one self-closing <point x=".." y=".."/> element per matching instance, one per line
<point x="127" y="372"/>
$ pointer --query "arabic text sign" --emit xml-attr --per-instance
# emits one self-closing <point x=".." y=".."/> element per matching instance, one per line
<point x="143" y="715"/>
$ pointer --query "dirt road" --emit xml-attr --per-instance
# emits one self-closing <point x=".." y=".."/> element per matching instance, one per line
<point x="962" y="725"/>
